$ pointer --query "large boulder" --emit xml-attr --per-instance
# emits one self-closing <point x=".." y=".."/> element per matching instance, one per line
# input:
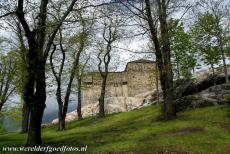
<point x="193" y="101"/>
<point x="215" y="95"/>
<point x="218" y="93"/>
<point x="209" y="81"/>
<point x="183" y="87"/>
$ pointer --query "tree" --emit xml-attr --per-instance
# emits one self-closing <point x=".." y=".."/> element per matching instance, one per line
<point x="58" y="76"/>
<point x="154" y="13"/>
<point x="20" y="50"/>
<point x="110" y="34"/>
<point x="77" y="43"/>
<point x="21" y="70"/>
<point x="163" y="55"/>
<point x="211" y="57"/>
<point x="80" y="74"/>
<point x="203" y="32"/>
<point x="7" y="77"/>
<point x="183" y="55"/>
<point x="80" y="39"/>
<point x="38" y="49"/>
<point x="217" y="14"/>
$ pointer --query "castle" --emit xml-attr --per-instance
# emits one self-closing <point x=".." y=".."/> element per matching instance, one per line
<point x="138" y="77"/>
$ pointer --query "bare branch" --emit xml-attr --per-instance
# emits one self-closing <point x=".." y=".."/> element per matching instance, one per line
<point x="7" y="14"/>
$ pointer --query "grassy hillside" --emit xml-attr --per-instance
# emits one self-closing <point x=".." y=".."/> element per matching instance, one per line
<point x="2" y="130"/>
<point x="204" y="130"/>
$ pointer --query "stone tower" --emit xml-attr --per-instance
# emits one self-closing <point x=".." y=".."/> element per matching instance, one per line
<point x="140" y="76"/>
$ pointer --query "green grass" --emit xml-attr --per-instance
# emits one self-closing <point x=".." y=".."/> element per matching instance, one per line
<point x="2" y="131"/>
<point x="205" y="130"/>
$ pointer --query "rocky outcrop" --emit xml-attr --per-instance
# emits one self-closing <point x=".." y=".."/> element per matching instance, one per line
<point x="185" y="87"/>
<point x="113" y="105"/>
<point x="214" y="95"/>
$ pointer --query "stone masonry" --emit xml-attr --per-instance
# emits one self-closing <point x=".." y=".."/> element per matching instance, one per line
<point x="138" y="77"/>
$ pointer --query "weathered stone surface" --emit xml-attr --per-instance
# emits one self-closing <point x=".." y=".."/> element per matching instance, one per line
<point x="209" y="81"/>
<point x="214" y="95"/>
<point x="192" y="101"/>
<point x="113" y="105"/>
<point x="184" y="88"/>
<point x="137" y="78"/>
<point x="188" y="87"/>
<point x="69" y="117"/>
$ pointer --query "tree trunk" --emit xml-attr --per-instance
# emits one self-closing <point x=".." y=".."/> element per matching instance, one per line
<point x="58" y="77"/>
<point x="163" y="56"/>
<point x="34" y="132"/>
<point x="224" y="64"/>
<point x="35" y="85"/>
<point x="220" y="42"/>
<point x="157" y="84"/>
<point x="106" y="60"/>
<point x="36" y="102"/>
<point x="169" y="106"/>
<point x="167" y="78"/>
<point x="61" y="124"/>
<point x="102" y="97"/>
<point x="213" y="74"/>
<point x="178" y="70"/>
<point x="1" y="104"/>
<point x="25" y="117"/>
<point x="34" y="93"/>
<point x="60" y="108"/>
<point x="79" y="99"/>
<point x="25" y="107"/>
<point x="72" y="75"/>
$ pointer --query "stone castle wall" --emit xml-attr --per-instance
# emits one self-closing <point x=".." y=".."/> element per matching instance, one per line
<point x="140" y="77"/>
<point x="137" y="78"/>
